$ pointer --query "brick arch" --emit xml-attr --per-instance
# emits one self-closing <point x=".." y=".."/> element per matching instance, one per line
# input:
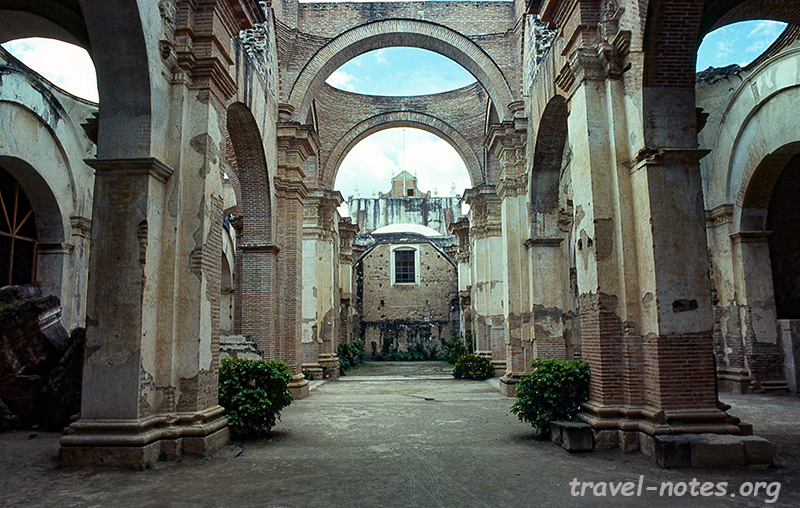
<point x="673" y="31"/>
<point x="394" y="119"/>
<point x="251" y="172"/>
<point x="231" y="167"/>
<point x="759" y="185"/>
<point x="718" y="13"/>
<point x="551" y="138"/>
<point x="399" y="32"/>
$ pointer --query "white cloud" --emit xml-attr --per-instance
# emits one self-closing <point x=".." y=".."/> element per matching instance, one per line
<point x="762" y="35"/>
<point x="724" y="48"/>
<point x="342" y="81"/>
<point x="379" y="57"/>
<point x="65" y="65"/>
<point x="372" y="163"/>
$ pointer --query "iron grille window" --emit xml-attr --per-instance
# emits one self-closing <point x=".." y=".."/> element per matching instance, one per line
<point x="18" y="236"/>
<point x="404" y="266"/>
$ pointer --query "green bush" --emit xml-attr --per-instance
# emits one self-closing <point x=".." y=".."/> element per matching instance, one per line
<point x="453" y="350"/>
<point x="253" y="393"/>
<point x="416" y="353"/>
<point x="350" y="355"/>
<point x="473" y="367"/>
<point x="552" y="392"/>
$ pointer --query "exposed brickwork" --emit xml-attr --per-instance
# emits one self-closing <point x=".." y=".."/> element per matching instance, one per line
<point x="601" y="347"/>
<point x="719" y="13"/>
<point x="407" y="32"/>
<point x="457" y="116"/>
<point x="670" y="44"/>
<point x="679" y="372"/>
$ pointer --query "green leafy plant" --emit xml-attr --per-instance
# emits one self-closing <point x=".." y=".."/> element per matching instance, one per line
<point x="553" y="391"/>
<point x="454" y="349"/>
<point x="416" y="353"/>
<point x="350" y="355"/>
<point x="473" y="367"/>
<point x="253" y="393"/>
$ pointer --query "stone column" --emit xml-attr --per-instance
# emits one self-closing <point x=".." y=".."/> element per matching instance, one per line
<point x="295" y="144"/>
<point x="488" y="291"/>
<point x="237" y="223"/>
<point x="347" y="231"/>
<point x="150" y="382"/>
<point x="507" y="142"/>
<point x="642" y="271"/>
<point x="131" y="412"/>
<point x="460" y="230"/>
<point x="757" y="312"/>
<point x="320" y="282"/>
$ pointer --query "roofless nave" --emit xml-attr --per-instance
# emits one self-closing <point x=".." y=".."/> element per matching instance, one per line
<point x="601" y="225"/>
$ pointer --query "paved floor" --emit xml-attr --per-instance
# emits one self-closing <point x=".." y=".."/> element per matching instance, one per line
<point x="406" y="436"/>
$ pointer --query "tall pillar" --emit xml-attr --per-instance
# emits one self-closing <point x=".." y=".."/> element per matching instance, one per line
<point x="150" y="386"/>
<point x="507" y="142"/>
<point x="295" y="144"/>
<point x="642" y="271"/>
<point x="757" y="312"/>
<point x="460" y="229"/>
<point x="487" y="290"/>
<point x="347" y="231"/>
<point x="320" y="282"/>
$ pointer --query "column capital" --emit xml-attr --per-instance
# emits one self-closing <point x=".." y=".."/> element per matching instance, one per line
<point x="131" y="167"/>
<point x="484" y="211"/>
<point x="296" y="143"/>
<point x="719" y="215"/>
<point x="507" y="141"/>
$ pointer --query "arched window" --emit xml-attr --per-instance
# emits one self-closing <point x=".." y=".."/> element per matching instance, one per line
<point x="18" y="237"/>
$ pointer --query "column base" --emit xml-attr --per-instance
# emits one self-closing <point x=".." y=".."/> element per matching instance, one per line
<point x="137" y="444"/>
<point x="508" y="385"/>
<point x="678" y="438"/>
<point x="499" y="367"/>
<point x="733" y="380"/>
<point x="299" y="387"/>
<point x="330" y="365"/>
<point x="314" y="370"/>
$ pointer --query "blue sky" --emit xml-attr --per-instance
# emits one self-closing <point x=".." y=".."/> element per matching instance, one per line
<point x="739" y="43"/>
<point x="392" y="71"/>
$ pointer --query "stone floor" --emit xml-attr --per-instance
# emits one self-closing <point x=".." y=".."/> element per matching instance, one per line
<point x="402" y="436"/>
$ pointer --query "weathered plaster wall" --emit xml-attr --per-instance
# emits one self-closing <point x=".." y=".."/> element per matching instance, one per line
<point x="374" y="213"/>
<point x="397" y="316"/>
<point x="43" y="146"/>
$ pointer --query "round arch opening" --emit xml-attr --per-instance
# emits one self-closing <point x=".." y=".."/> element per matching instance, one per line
<point x="400" y="72"/>
<point x="368" y="168"/>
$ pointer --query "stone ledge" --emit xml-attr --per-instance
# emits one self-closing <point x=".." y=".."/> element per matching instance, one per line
<point x="572" y="436"/>
<point x="709" y="450"/>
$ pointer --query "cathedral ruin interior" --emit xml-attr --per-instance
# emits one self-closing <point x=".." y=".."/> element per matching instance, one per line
<point x="624" y="209"/>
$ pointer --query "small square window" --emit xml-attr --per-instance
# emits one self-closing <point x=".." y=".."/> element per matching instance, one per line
<point x="410" y="192"/>
<point x="404" y="267"/>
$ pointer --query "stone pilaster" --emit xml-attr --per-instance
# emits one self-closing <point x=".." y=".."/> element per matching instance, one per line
<point x="321" y="282"/>
<point x="460" y="229"/>
<point x="487" y="288"/>
<point x="757" y="311"/>
<point x="507" y="141"/>
<point x="347" y="231"/>
<point x="130" y="412"/>
<point x="642" y="270"/>
<point x="295" y="144"/>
